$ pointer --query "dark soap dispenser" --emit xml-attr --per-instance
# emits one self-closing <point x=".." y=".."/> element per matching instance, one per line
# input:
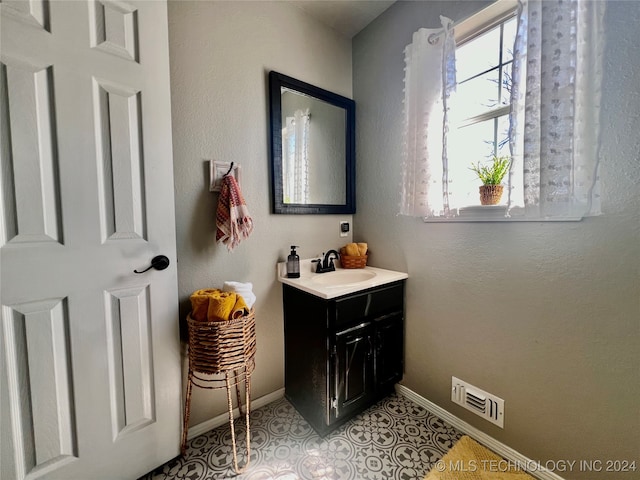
<point x="293" y="263"/>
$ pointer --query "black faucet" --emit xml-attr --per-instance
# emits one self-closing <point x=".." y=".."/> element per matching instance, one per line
<point x="326" y="265"/>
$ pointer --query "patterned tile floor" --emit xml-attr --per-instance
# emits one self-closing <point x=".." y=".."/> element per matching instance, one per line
<point x="394" y="439"/>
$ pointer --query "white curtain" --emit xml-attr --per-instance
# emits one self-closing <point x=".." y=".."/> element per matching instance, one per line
<point x="295" y="172"/>
<point x="555" y="107"/>
<point x="429" y="81"/>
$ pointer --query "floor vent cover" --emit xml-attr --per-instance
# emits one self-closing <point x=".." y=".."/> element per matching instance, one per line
<point x="478" y="401"/>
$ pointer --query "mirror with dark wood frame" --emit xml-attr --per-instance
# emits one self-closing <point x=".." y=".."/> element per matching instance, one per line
<point x="312" y="148"/>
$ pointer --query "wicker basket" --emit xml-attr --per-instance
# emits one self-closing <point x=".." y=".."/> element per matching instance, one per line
<point x="222" y="346"/>
<point x="351" y="261"/>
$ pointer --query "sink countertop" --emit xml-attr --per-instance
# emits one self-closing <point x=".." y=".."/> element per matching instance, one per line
<point x="307" y="274"/>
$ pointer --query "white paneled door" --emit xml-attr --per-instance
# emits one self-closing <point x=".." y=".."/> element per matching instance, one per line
<point x="90" y="353"/>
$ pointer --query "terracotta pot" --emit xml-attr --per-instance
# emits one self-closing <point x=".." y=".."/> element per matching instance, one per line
<point x="490" y="194"/>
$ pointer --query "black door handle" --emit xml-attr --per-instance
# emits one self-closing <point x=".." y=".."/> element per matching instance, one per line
<point x="159" y="262"/>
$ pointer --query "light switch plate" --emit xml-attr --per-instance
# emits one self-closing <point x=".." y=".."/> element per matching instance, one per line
<point x="344" y="229"/>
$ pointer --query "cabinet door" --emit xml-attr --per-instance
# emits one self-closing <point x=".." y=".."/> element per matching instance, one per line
<point x="389" y="351"/>
<point x="352" y="371"/>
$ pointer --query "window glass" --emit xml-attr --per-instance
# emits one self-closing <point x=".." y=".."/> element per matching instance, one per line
<point x="481" y="116"/>
<point x="478" y="55"/>
<point x="502" y="143"/>
<point x="508" y="39"/>
<point x="478" y="95"/>
<point x="473" y="143"/>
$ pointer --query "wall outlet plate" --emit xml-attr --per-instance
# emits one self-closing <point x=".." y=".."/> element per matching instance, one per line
<point x="344" y="228"/>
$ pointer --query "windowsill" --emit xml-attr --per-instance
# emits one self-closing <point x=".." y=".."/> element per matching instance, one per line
<point x="495" y="213"/>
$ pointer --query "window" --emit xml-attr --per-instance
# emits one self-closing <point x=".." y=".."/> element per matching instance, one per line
<point x="480" y="111"/>
<point x="549" y="132"/>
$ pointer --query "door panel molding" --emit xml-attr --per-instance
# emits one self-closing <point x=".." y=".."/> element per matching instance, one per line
<point x="114" y="28"/>
<point x="130" y="359"/>
<point x="120" y="161"/>
<point x="30" y="171"/>
<point x="40" y="381"/>
<point x="34" y="13"/>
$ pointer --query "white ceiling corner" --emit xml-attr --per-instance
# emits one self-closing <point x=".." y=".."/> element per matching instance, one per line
<point x="345" y="16"/>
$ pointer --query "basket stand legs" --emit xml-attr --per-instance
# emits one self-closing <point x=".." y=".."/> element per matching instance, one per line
<point x="229" y="385"/>
<point x="187" y="413"/>
<point x="231" y="423"/>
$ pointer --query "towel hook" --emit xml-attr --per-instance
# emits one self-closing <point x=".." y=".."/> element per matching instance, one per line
<point x="229" y="171"/>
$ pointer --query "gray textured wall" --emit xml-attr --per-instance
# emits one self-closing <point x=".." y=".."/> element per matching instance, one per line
<point x="220" y="54"/>
<point x="544" y="315"/>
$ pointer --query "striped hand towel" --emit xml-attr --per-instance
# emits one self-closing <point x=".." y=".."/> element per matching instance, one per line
<point x="233" y="222"/>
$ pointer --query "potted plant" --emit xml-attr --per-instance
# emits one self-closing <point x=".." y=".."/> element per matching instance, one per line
<point x="491" y="177"/>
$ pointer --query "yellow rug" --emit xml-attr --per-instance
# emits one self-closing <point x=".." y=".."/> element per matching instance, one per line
<point x="468" y="460"/>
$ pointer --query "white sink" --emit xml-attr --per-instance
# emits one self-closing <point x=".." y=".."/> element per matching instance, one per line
<point x="343" y="281"/>
<point x="343" y="278"/>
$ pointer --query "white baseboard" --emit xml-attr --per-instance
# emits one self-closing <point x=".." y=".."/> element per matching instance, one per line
<point x="491" y="443"/>
<point x="215" y="422"/>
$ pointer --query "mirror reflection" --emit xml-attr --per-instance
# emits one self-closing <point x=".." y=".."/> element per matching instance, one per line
<point x="312" y="148"/>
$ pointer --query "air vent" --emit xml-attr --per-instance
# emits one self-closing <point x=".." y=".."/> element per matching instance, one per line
<point x="478" y="401"/>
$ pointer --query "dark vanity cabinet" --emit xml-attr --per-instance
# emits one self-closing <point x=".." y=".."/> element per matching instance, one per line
<point x="342" y="354"/>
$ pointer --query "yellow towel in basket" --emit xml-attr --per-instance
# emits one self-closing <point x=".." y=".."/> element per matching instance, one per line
<point x="214" y="305"/>
<point x="356" y="249"/>
<point x="351" y="249"/>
